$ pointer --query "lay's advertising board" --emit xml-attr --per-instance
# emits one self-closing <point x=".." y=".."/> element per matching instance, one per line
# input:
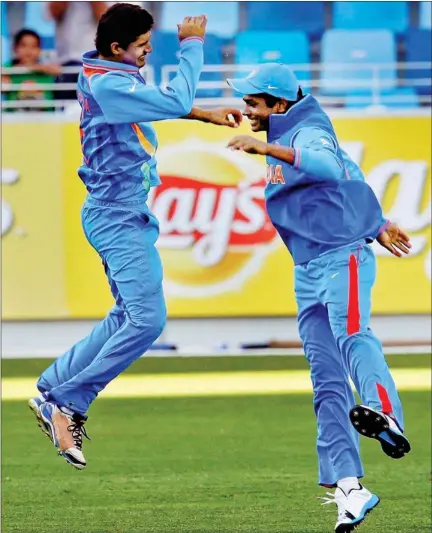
<point x="221" y="255"/>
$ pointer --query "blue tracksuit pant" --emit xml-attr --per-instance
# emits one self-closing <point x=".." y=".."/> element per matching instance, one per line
<point x="333" y="295"/>
<point x="124" y="236"/>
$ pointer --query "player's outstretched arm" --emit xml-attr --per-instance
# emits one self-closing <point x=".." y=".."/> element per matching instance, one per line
<point x="221" y="116"/>
<point x="314" y="152"/>
<point x="124" y="100"/>
<point x="251" y="145"/>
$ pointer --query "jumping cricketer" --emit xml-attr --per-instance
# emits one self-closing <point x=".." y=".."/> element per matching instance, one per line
<point x="118" y="169"/>
<point x="327" y="216"/>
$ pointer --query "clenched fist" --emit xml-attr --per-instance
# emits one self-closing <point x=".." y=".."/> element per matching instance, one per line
<point x="192" y="27"/>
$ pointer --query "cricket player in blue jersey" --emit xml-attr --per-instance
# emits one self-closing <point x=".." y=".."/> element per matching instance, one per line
<point x="327" y="215"/>
<point x="119" y="167"/>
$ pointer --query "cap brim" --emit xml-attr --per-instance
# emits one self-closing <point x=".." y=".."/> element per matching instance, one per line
<point x="243" y="86"/>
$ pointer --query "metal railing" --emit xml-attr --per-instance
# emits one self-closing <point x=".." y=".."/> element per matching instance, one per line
<point x="365" y="83"/>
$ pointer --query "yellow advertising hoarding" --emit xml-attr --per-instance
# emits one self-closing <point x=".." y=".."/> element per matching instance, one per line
<point x="221" y="255"/>
<point x="33" y="276"/>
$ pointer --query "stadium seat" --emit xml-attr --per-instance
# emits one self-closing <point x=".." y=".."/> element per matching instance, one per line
<point x="167" y="48"/>
<point x="425" y="15"/>
<point x="291" y="48"/>
<point x="4" y="20"/>
<point x="286" y="16"/>
<point x="38" y="19"/>
<point x="393" y="16"/>
<point x="399" y="97"/>
<point x="343" y="54"/>
<point x="419" y="49"/>
<point x="6" y="50"/>
<point x="223" y="19"/>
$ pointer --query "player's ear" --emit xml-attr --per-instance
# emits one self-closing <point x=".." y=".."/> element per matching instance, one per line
<point x="115" y="49"/>
<point x="282" y="106"/>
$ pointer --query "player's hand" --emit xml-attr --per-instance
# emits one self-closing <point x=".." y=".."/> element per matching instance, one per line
<point x="248" y="144"/>
<point x="395" y="240"/>
<point x="51" y="69"/>
<point x="226" y="116"/>
<point x="192" y="27"/>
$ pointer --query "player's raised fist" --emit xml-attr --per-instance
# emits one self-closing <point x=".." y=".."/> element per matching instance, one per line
<point x="192" y="27"/>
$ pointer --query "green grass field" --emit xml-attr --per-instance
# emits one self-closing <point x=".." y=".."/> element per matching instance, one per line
<point x="210" y="465"/>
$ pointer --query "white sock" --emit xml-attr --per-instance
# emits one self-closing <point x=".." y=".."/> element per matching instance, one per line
<point x="348" y="483"/>
<point x="66" y="411"/>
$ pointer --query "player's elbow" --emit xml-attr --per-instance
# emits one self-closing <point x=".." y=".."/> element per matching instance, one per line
<point x="183" y="103"/>
<point x="321" y="164"/>
<point x="184" y="107"/>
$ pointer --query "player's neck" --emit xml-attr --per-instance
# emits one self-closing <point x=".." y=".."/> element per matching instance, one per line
<point x="109" y="58"/>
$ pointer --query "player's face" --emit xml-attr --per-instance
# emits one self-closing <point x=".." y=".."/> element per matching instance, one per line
<point x="137" y="51"/>
<point x="257" y="112"/>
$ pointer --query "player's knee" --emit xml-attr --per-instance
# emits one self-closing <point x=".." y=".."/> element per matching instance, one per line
<point x="328" y="394"/>
<point x="347" y="341"/>
<point x="149" y="325"/>
<point x="158" y="324"/>
<point x="42" y="384"/>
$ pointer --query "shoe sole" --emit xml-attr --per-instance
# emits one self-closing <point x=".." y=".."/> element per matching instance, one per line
<point x="347" y="528"/>
<point x="68" y="458"/>
<point x="34" y="408"/>
<point x="373" y="425"/>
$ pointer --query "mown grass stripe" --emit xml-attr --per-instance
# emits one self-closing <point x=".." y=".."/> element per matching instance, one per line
<point x="212" y="384"/>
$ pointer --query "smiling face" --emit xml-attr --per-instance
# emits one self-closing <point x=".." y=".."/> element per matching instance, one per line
<point x="258" y="110"/>
<point x="136" y="52"/>
<point x="139" y="49"/>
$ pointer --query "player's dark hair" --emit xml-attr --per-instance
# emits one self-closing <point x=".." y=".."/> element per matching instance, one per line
<point x="23" y="33"/>
<point x="122" y="24"/>
<point x="271" y="100"/>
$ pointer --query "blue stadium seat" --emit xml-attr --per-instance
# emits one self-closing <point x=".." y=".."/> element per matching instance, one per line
<point x="6" y="52"/>
<point x="4" y="20"/>
<point x="38" y="19"/>
<point x="425" y="15"/>
<point x="393" y="16"/>
<point x="419" y="49"/>
<point x="343" y="54"/>
<point x="223" y="19"/>
<point x="286" y="16"/>
<point x="291" y="48"/>
<point x="399" y="97"/>
<point x="167" y="49"/>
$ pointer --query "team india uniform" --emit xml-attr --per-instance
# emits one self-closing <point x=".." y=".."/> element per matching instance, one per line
<point x="326" y="220"/>
<point x="327" y="216"/>
<point x="119" y="167"/>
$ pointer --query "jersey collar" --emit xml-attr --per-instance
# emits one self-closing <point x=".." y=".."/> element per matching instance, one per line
<point x="91" y="60"/>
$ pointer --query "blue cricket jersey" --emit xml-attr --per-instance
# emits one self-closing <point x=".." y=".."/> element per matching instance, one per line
<point x="118" y="142"/>
<point x="321" y="202"/>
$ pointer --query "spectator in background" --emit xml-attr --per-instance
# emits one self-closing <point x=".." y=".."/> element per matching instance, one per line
<point x="27" y="53"/>
<point x="76" y="24"/>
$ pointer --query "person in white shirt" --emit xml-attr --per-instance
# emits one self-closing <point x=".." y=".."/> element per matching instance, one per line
<point x="76" y="24"/>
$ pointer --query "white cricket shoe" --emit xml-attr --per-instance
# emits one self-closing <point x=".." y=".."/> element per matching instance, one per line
<point x="66" y="433"/>
<point x="352" y="509"/>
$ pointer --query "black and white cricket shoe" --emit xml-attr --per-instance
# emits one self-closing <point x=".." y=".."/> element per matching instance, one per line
<point x="352" y="508"/>
<point x="376" y="425"/>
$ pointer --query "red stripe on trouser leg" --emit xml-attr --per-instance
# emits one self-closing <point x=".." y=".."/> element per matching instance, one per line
<point x="353" y="320"/>
<point x="384" y="399"/>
